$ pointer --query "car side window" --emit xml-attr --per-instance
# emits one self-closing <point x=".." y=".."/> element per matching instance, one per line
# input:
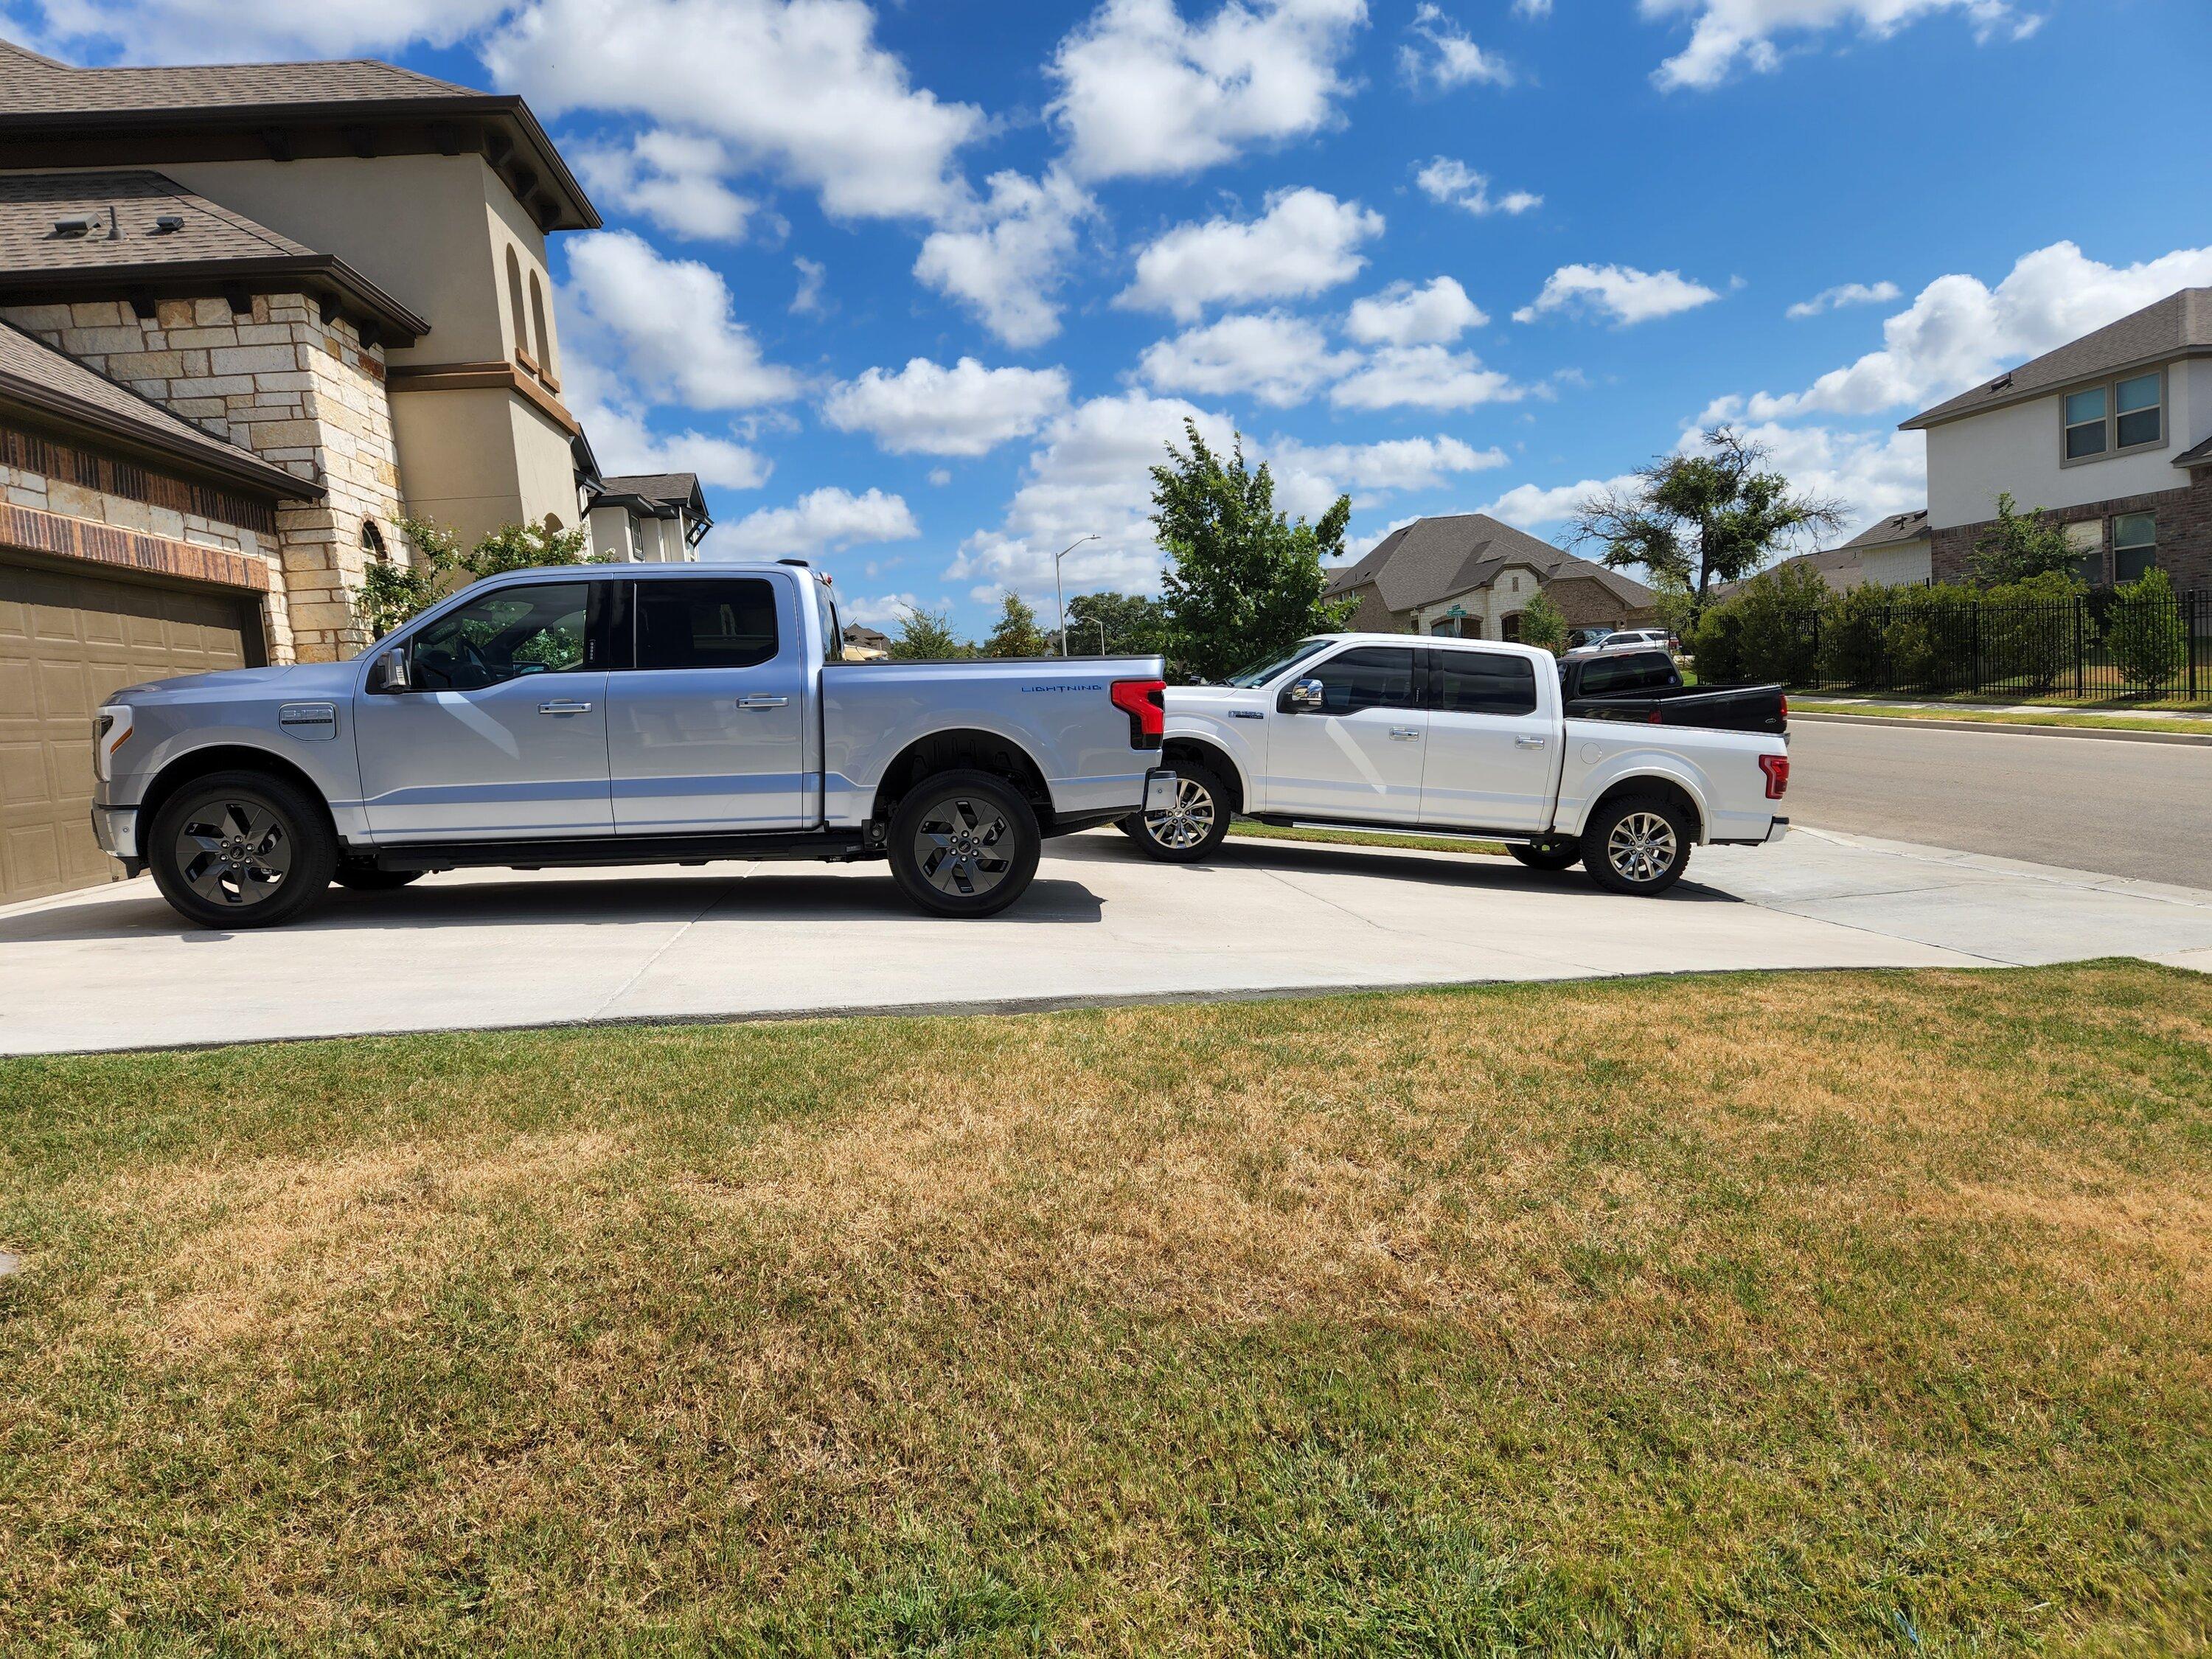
<point x="1367" y="676"/>
<point x="1481" y="682"/>
<point x="722" y="623"/>
<point x="1639" y="671"/>
<point x="833" y="632"/>
<point x="533" y="628"/>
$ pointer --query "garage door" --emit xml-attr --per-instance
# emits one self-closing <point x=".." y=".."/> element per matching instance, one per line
<point x="66" y="641"/>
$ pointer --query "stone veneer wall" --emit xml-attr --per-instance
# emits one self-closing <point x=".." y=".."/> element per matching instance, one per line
<point x="299" y="391"/>
<point x="2185" y="533"/>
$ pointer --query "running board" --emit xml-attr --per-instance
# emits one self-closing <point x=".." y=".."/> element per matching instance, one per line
<point x="619" y="849"/>
<point x="1509" y="837"/>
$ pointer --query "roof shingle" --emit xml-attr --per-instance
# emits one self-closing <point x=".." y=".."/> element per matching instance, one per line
<point x="2178" y="326"/>
<point x="32" y="85"/>
<point x="1433" y="559"/>
<point x="124" y="206"/>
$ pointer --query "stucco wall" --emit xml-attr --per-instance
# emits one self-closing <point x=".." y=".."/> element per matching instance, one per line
<point x="1896" y="564"/>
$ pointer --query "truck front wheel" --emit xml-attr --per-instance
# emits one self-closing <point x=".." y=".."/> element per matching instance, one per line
<point x="964" y="844"/>
<point x="1639" y="845"/>
<point x="241" y="849"/>
<point x="1191" y="828"/>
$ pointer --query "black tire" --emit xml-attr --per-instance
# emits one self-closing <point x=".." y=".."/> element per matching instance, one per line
<point x="1639" y="844"/>
<point x="241" y="849"/>
<point x="1189" y="832"/>
<point x="963" y="830"/>
<point x="1549" y="855"/>
<point x="367" y="878"/>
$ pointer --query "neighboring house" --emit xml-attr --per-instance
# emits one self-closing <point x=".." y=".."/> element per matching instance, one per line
<point x="867" y="644"/>
<point x="1891" y="552"/>
<point x="2112" y="434"/>
<point x="649" y="518"/>
<point x="1471" y="576"/>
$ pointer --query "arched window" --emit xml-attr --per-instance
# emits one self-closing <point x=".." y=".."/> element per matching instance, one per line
<point x="538" y="328"/>
<point x="514" y="304"/>
<point x="553" y="522"/>
<point x="1510" y="628"/>
<point x="372" y="542"/>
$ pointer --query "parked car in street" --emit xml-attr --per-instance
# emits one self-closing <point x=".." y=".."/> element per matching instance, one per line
<point x="1476" y="737"/>
<point x="618" y="715"/>
<point x="1626" y="639"/>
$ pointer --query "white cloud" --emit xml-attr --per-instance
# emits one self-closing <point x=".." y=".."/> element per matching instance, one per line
<point x="1307" y="478"/>
<point x="1002" y="257"/>
<point x="1278" y="358"/>
<point x="669" y="324"/>
<point x="1526" y="506"/>
<point x="1621" y="292"/>
<point x="1873" y="474"/>
<point x="1845" y="293"/>
<point x="673" y="178"/>
<point x="1424" y="377"/>
<point x="807" y="301"/>
<point x="622" y="442"/>
<point x="245" y="31"/>
<point x="1725" y="34"/>
<point x="1958" y="331"/>
<point x="1448" y="57"/>
<point x="1401" y="314"/>
<point x="884" y="611"/>
<point x="926" y="409"/>
<point x="941" y="475"/>
<point x="1090" y="476"/>
<point x="1533" y="10"/>
<point x="1444" y="179"/>
<point x="820" y="521"/>
<point x="798" y="87"/>
<point x="1145" y="93"/>
<point x="1306" y="241"/>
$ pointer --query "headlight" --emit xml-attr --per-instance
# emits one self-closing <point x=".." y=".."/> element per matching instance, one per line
<point x="111" y="730"/>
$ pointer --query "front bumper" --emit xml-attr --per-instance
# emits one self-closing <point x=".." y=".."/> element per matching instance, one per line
<point x="116" y="830"/>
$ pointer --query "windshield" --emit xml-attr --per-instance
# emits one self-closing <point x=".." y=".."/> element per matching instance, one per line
<point x="1265" y="671"/>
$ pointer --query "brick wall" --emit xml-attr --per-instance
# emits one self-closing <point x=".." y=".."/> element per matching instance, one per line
<point x="1586" y="603"/>
<point x="299" y="391"/>
<point x="2185" y="533"/>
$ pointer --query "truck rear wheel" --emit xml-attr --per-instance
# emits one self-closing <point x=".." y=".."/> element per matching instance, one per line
<point x="964" y="844"/>
<point x="241" y="849"/>
<point x="1639" y="844"/>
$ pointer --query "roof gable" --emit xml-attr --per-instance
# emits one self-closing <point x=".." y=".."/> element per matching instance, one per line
<point x="1434" y="559"/>
<point x="2178" y="325"/>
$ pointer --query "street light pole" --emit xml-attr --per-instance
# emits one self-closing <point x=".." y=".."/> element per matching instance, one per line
<point x="1060" y="593"/>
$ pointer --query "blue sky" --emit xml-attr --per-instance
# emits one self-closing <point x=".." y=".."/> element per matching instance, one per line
<point x="919" y="289"/>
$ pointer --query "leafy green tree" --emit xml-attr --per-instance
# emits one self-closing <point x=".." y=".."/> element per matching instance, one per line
<point x="1711" y="515"/>
<point x="2018" y="545"/>
<point x="927" y="636"/>
<point x="1115" y="624"/>
<point x="1778" y="614"/>
<point x="2143" y="631"/>
<point x="1243" y="581"/>
<point x="1017" y="633"/>
<point x="1544" y="623"/>
<point x="393" y="592"/>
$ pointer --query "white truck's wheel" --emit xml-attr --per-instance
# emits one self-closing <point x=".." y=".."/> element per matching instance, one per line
<point x="1192" y="825"/>
<point x="1639" y="844"/>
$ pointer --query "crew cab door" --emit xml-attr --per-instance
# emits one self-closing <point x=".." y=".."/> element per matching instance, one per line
<point x="1357" y="757"/>
<point x="1493" y="748"/>
<point x="501" y="731"/>
<point x="707" y="706"/>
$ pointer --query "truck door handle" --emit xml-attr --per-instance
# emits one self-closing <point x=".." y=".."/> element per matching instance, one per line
<point x="1527" y="743"/>
<point x="1405" y="733"/>
<point x="757" y="701"/>
<point x="563" y="706"/>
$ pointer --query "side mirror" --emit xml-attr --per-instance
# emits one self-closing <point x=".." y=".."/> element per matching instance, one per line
<point x="389" y="672"/>
<point x="1304" y="694"/>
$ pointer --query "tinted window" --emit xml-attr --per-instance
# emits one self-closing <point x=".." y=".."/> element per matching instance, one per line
<point x="1481" y="682"/>
<point x="728" y="623"/>
<point x="1632" y="671"/>
<point x="536" y="628"/>
<point x="833" y="635"/>
<point x="1372" y="677"/>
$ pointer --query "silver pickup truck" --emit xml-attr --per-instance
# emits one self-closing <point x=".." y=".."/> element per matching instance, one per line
<point x="618" y="715"/>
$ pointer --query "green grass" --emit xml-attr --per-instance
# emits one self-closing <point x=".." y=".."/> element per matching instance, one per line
<point x="2006" y="717"/>
<point x="1835" y="1314"/>
<point x="1259" y="831"/>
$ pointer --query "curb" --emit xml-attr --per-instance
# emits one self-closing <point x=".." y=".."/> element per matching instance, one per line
<point x="2193" y="739"/>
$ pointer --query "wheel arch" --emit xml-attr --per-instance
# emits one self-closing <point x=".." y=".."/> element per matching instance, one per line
<point x="960" y="749"/>
<point x="224" y="757"/>
<point x="1211" y="755"/>
<point x="1663" y="784"/>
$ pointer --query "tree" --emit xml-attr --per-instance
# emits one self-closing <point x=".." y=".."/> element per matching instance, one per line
<point x="2143" y="631"/>
<point x="1017" y="633"/>
<point x="927" y="636"/>
<point x="1243" y="581"/>
<point x="1544" y="623"/>
<point x="2018" y="545"/>
<point x="1115" y="624"/>
<point x="1711" y="515"/>
<point x="392" y="592"/>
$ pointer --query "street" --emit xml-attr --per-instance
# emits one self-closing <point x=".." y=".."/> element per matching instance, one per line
<point x="2141" y="810"/>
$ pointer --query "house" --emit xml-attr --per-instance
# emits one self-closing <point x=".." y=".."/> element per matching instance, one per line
<point x="1890" y="552"/>
<point x="865" y="644"/>
<point x="1470" y="575"/>
<point x="648" y="518"/>
<point x="2111" y="434"/>
<point x="251" y="317"/>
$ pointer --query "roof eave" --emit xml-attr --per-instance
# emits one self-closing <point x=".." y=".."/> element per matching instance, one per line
<point x="246" y="471"/>
<point x="400" y="326"/>
<point x="1944" y="414"/>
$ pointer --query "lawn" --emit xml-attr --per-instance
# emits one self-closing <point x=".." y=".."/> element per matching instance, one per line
<point x="1838" y="1313"/>
<point x="2041" y="716"/>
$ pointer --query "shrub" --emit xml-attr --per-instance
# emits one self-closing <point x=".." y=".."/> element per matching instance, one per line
<point x="2143" y="631"/>
<point x="1777" y="614"/>
<point x="2029" y="630"/>
<point x="1851" y="650"/>
<point x="1719" y="645"/>
<point x="1544" y="623"/>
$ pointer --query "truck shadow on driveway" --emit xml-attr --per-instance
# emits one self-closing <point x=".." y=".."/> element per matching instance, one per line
<point x="526" y="900"/>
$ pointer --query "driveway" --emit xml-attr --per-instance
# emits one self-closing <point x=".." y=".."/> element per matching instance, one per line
<point x="112" y="968"/>
<point x="2127" y="809"/>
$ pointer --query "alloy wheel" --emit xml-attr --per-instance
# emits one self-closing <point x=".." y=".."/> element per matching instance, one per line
<point x="1187" y="822"/>
<point x="233" y="853"/>
<point x="962" y="846"/>
<point x="1642" y="847"/>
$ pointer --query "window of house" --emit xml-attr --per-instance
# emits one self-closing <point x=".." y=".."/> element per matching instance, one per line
<point x="2085" y="423"/>
<point x="2137" y="403"/>
<point x="537" y="327"/>
<point x="2088" y="539"/>
<point x="371" y="542"/>
<point x="514" y="304"/>
<point x="1509" y="629"/>
<point x="720" y="623"/>
<point x="2134" y="545"/>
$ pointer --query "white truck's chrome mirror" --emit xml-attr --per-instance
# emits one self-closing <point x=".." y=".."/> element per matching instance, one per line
<point x="1305" y="694"/>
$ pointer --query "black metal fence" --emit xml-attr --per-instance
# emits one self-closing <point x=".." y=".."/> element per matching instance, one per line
<point x="2099" y="644"/>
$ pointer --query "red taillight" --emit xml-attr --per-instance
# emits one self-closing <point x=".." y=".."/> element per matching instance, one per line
<point x="1777" y="768"/>
<point x="1782" y="713"/>
<point x="1146" y="703"/>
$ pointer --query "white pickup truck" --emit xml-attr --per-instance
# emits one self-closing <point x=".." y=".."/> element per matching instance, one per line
<point x="1468" y="736"/>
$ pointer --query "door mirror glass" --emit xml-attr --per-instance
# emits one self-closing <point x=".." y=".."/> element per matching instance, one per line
<point x="389" y="672"/>
<point x="1304" y="694"/>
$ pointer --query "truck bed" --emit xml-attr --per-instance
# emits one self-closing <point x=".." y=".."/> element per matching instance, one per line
<point x="1718" y="709"/>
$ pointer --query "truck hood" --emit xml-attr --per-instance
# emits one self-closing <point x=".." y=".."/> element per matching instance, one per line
<point x="1212" y="699"/>
<point x="309" y="679"/>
